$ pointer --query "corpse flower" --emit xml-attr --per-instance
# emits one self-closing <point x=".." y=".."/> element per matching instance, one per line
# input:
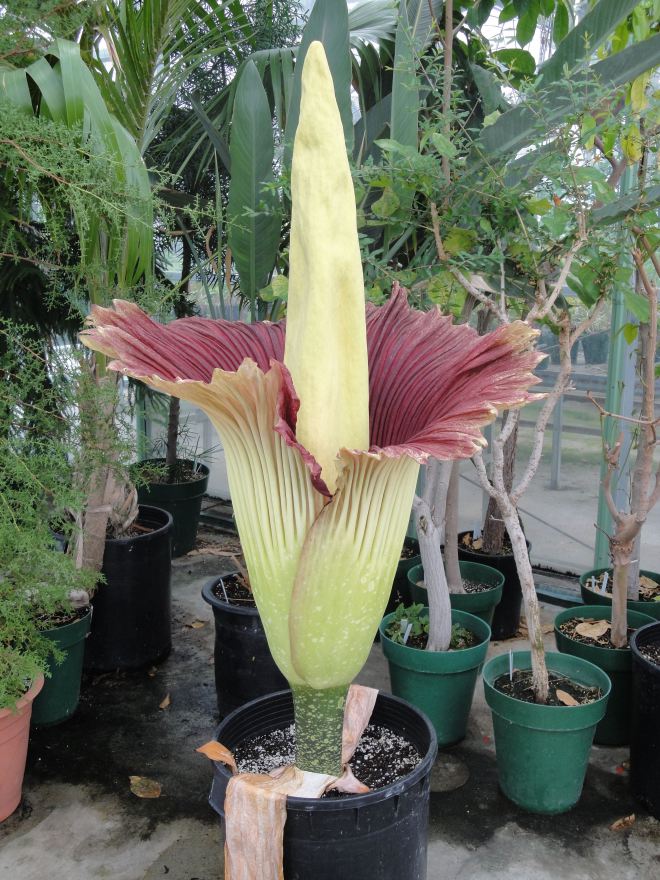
<point x="324" y="422"/>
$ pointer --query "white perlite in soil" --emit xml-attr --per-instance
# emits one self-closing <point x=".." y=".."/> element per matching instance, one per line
<point x="381" y="756"/>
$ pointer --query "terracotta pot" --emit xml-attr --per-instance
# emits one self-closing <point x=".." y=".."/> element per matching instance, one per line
<point x="14" y="734"/>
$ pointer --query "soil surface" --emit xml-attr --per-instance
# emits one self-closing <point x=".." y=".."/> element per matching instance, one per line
<point x="562" y="690"/>
<point x="475" y="545"/>
<point x="181" y="472"/>
<point x="236" y="591"/>
<point x="461" y="638"/>
<point x="649" y="590"/>
<point x="651" y="652"/>
<point x="381" y="756"/>
<point x="408" y="553"/>
<point x="61" y="618"/>
<point x="568" y="628"/>
<point x="468" y="586"/>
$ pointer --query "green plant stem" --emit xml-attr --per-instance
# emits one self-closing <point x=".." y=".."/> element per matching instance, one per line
<point x="319" y="716"/>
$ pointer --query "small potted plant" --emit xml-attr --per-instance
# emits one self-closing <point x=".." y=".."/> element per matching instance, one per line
<point x="21" y="679"/>
<point x="323" y="433"/>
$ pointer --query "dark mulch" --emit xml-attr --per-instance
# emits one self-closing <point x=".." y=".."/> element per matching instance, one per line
<point x="520" y="687"/>
<point x="408" y="553"/>
<point x="236" y="591"/>
<point x="381" y="756"/>
<point x="568" y="628"/>
<point x="62" y="617"/>
<point x="649" y="590"/>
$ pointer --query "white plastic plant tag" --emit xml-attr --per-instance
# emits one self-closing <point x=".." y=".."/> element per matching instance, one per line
<point x="406" y="635"/>
<point x="606" y="578"/>
<point x="476" y="531"/>
<point x="510" y="665"/>
<point x="592" y="582"/>
<point x="403" y="623"/>
<point x="224" y="592"/>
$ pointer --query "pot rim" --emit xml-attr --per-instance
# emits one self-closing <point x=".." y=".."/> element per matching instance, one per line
<point x="216" y="603"/>
<point x="28" y="697"/>
<point x="640" y="658"/>
<point x="463" y="651"/>
<point x="157" y="532"/>
<point x="537" y="708"/>
<point x="358" y="800"/>
<point x="606" y="610"/>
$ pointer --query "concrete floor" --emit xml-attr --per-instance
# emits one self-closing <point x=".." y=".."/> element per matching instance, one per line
<point x="79" y="820"/>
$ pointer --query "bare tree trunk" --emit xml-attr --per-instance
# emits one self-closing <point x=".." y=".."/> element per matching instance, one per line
<point x="619" y="632"/>
<point x="531" y="602"/>
<point x="494" y="528"/>
<point x="452" y="564"/>
<point x="634" y="567"/>
<point x="428" y="534"/>
<point x="429" y="511"/>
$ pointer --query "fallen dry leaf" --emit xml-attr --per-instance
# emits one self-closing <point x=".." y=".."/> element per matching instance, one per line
<point x="623" y="822"/>
<point x="592" y="629"/>
<point x="215" y="751"/>
<point x="195" y="624"/>
<point x="478" y="544"/>
<point x="165" y="704"/>
<point x="566" y="699"/>
<point x="645" y="581"/>
<point x="144" y="788"/>
<point x="152" y="672"/>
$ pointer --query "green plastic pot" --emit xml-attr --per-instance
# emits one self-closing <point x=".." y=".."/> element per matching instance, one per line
<point x="182" y="500"/>
<point x="440" y="683"/>
<point x="543" y="751"/>
<point x="614" y="729"/>
<point x="480" y="604"/>
<point x="60" y="694"/>
<point x="595" y="597"/>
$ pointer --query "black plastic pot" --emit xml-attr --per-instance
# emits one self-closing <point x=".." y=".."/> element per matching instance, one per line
<point x="376" y="836"/>
<point x="131" y="624"/>
<point x="182" y="500"/>
<point x="645" y="738"/>
<point x="506" y="619"/>
<point x="400" y="588"/>
<point x="244" y="666"/>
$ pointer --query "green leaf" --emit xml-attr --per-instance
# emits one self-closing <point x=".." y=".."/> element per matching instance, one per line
<point x="253" y="211"/>
<point x="387" y="145"/>
<point x="557" y="221"/>
<point x="591" y="32"/>
<point x="547" y="7"/>
<point x="526" y="27"/>
<point x="490" y="89"/>
<point x="405" y="92"/>
<point x="586" y="174"/>
<point x="632" y="203"/>
<point x="539" y="206"/>
<point x="630" y="332"/>
<point x="640" y="23"/>
<point x="588" y="130"/>
<point x="637" y="304"/>
<point x="519" y="127"/>
<point x="328" y="22"/>
<point x="508" y="13"/>
<point x="492" y="118"/>
<point x="442" y="144"/>
<point x="560" y="24"/>
<point x="518" y="60"/>
<point x="386" y="205"/>
<point x="459" y="240"/>
<point x="480" y="12"/>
